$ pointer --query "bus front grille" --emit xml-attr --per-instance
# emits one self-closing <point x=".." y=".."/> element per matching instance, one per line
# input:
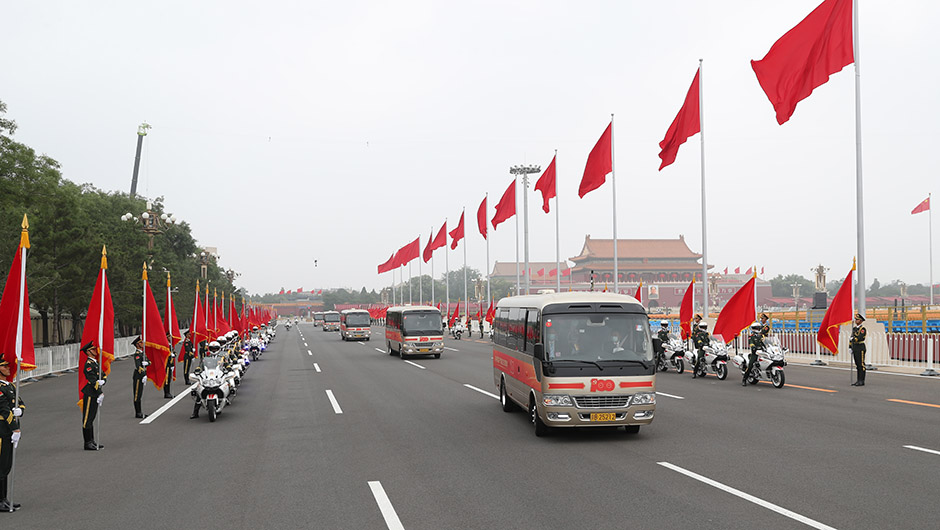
<point x="601" y="402"/>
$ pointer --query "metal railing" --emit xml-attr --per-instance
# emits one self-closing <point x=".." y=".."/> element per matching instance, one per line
<point x="54" y="359"/>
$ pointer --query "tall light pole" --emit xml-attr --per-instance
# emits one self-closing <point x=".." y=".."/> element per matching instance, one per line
<point x="141" y="132"/>
<point x="525" y="171"/>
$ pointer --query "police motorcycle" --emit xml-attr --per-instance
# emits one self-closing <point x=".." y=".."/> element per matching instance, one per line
<point x="255" y="344"/>
<point x="672" y="355"/>
<point x="457" y="330"/>
<point x="769" y="365"/>
<point x="214" y="384"/>
<point x="238" y="361"/>
<point x="716" y="359"/>
<point x="287" y="326"/>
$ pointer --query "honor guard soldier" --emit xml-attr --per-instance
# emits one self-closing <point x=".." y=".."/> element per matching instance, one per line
<point x="139" y="378"/>
<point x="857" y="343"/>
<point x="189" y="353"/>
<point x="170" y="367"/>
<point x="700" y="339"/>
<point x="764" y="325"/>
<point x="92" y="395"/>
<point x="10" y="413"/>
<point x="755" y="342"/>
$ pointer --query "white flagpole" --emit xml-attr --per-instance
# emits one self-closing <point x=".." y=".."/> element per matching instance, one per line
<point x="701" y="119"/>
<point x="410" y="302"/>
<point x="930" y="237"/>
<point x="613" y="181"/>
<point x="104" y="279"/>
<point x="557" y="244"/>
<point x="515" y="184"/>
<point x="18" y="350"/>
<point x="466" y="298"/>
<point x="420" y="282"/>
<point x="446" y="268"/>
<point x="859" y="202"/>
<point x="487" y="237"/>
<point x="432" y="269"/>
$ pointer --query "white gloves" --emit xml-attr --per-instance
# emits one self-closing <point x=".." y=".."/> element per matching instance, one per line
<point x="17" y="412"/>
<point x="145" y="364"/>
<point x="101" y="383"/>
<point x="100" y="399"/>
<point x="15" y="438"/>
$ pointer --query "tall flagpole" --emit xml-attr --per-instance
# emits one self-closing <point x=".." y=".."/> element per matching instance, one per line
<point x="515" y="183"/>
<point x="930" y="236"/>
<point x="18" y="348"/>
<point x="467" y="298"/>
<point x="487" y="200"/>
<point x="432" y="268"/>
<point x="410" y="302"/>
<point x="143" y="327"/>
<point x="859" y="202"/>
<point x="613" y="181"/>
<point x="557" y="244"/>
<point x="420" y="281"/>
<point x="701" y="120"/>
<point x="446" y="269"/>
<point x="104" y="281"/>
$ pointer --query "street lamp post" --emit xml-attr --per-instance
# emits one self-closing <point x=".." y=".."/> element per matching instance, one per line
<point x="151" y="223"/>
<point x="525" y="171"/>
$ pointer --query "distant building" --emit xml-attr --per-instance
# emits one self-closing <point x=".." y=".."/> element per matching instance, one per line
<point x="646" y="260"/>
<point x="506" y="270"/>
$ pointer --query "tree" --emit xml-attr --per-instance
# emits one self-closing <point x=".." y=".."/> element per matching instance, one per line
<point x="782" y="285"/>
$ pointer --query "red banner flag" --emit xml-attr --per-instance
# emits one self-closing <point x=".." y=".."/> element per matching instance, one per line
<point x="99" y="324"/>
<point x="804" y="57"/>
<point x="639" y="292"/>
<point x="506" y="207"/>
<point x="409" y="252"/>
<point x="685" y="124"/>
<point x="153" y="336"/>
<point x="200" y="333"/>
<point x="738" y="313"/>
<point x="922" y="207"/>
<point x="737" y="270"/>
<point x="385" y="267"/>
<point x="726" y="270"/>
<point x="427" y="253"/>
<point x="456" y="315"/>
<point x="300" y="290"/>
<point x="839" y="312"/>
<point x="566" y="272"/>
<point x="686" y="311"/>
<point x="490" y="313"/>
<point x="16" y="331"/>
<point x="439" y="241"/>
<point x="750" y="270"/>
<point x="174" y="326"/>
<point x="282" y="291"/>
<point x="599" y="164"/>
<point x="546" y="184"/>
<point x="481" y="218"/>
<point x="553" y="272"/>
<point x="457" y="233"/>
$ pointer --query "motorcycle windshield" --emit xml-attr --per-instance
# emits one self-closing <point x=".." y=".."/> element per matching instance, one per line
<point x="210" y="362"/>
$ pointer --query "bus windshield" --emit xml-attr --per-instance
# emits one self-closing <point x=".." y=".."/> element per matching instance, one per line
<point x="597" y="337"/>
<point x="414" y="323"/>
<point x="331" y="317"/>
<point x="357" y="320"/>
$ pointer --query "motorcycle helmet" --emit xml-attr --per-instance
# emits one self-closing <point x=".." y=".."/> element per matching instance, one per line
<point x="221" y="340"/>
<point x="755" y="326"/>
<point x="664" y="323"/>
<point x="214" y="348"/>
<point x="254" y="328"/>
<point x="703" y="325"/>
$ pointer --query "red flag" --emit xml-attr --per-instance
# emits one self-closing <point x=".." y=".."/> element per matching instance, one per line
<point x="683" y="126"/>
<point x="762" y="271"/>
<point x="686" y="310"/>
<point x="749" y="271"/>
<point x="546" y="184"/>
<point x="922" y="207"/>
<point x="99" y="324"/>
<point x="599" y="164"/>
<point x="457" y="233"/>
<point x="200" y="333"/>
<point x="804" y="57"/>
<point x="738" y="313"/>
<point x="737" y="270"/>
<point x="506" y="207"/>
<point x="282" y="291"/>
<point x="566" y="272"/>
<point x="456" y="314"/>
<point x="234" y="319"/>
<point x="409" y="252"/>
<point x="320" y="291"/>
<point x="171" y="321"/>
<point x="481" y="218"/>
<point x="427" y="253"/>
<point x="289" y="291"/>
<point x="385" y="267"/>
<point x="541" y="272"/>
<point x="16" y="331"/>
<point x="156" y="347"/>
<point x="490" y="313"/>
<point x="553" y="272"/>
<point x="300" y="290"/>
<point x="439" y="241"/>
<point x="839" y="312"/>
<point x="726" y="270"/>
<point x="639" y="292"/>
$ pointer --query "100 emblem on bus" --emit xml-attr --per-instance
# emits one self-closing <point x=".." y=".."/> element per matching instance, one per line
<point x="602" y="385"/>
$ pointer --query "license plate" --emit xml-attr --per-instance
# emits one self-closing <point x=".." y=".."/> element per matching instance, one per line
<point x="423" y="349"/>
<point x="603" y="416"/>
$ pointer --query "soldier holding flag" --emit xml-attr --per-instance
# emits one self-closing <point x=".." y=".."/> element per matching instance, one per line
<point x="92" y="395"/>
<point x="189" y="353"/>
<point x="139" y="376"/>
<point x="11" y="409"/>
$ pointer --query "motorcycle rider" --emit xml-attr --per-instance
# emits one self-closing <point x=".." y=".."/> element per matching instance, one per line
<point x="700" y="339"/>
<point x="189" y="353"/>
<point x="213" y="350"/>
<point x="857" y="344"/>
<point x="756" y="342"/>
<point x="663" y="332"/>
<point x="139" y="376"/>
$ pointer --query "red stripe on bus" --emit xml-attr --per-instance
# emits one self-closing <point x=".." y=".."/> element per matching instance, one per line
<point x="566" y="385"/>
<point x="633" y="385"/>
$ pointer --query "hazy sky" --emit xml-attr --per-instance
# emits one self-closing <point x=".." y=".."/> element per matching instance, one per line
<point x="339" y="131"/>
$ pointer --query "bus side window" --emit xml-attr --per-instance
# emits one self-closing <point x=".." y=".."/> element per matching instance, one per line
<point x="502" y="321"/>
<point x="514" y="337"/>
<point x="531" y="330"/>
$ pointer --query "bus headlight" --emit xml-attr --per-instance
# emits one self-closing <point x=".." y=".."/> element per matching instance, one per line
<point x="556" y="400"/>
<point x="643" y="398"/>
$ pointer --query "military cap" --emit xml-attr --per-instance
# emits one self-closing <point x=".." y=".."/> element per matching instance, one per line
<point x="4" y="362"/>
<point x="90" y="345"/>
<point x="860" y="317"/>
<point x="136" y="342"/>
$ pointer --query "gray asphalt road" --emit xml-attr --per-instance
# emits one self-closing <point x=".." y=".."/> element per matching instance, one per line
<point x="446" y="456"/>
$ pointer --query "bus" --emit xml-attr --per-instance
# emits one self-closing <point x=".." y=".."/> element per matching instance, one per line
<point x="318" y="319"/>
<point x="331" y="321"/>
<point x="414" y="330"/>
<point x="355" y="324"/>
<point x="580" y="359"/>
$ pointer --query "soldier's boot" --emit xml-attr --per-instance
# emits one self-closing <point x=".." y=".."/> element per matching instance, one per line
<point x="195" y="411"/>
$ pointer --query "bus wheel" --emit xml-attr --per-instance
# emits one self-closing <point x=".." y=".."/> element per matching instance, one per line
<point x="631" y="429"/>
<point x="508" y="405"/>
<point x="540" y="428"/>
<point x="437" y="356"/>
<point x="388" y="344"/>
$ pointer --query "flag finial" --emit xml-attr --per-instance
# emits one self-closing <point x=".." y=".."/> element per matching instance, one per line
<point x="168" y="279"/>
<point x="145" y="272"/>
<point x="104" y="256"/>
<point x="24" y="236"/>
<point x="853" y="263"/>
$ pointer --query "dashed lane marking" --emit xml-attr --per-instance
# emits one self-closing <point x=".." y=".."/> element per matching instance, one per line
<point x="669" y="395"/>
<point x="914" y="447"/>
<point x="738" y="493"/>
<point x="385" y="506"/>
<point x="336" y="409"/>
<point x="166" y="406"/>
<point x="480" y="390"/>
<point x="451" y="349"/>
<point x="316" y="367"/>
<point x="416" y="364"/>
<point x="380" y="350"/>
<point x="915" y="403"/>
<point x="309" y="352"/>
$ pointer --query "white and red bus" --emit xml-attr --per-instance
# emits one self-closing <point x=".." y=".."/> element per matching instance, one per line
<point x="414" y="330"/>
<point x="355" y="324"/>
<point x="330" y="321"/>
<point x="575" y="360"/>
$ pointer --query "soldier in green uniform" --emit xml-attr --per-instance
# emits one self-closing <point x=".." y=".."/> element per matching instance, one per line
<point x="92" y="395"/>
<point x="189" y="353"/>
<point x="139" y="377"/>
<point x="755" y="342"/>
<point x="764" y="325"/>
<point x="700" y="339"/>
<point x="663" y="333"/>
<point x="170" y="367"/>
<point x="857" y="343"/>
<point x="10" y="413"/>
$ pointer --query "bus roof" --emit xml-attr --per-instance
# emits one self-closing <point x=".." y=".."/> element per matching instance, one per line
<point x="413" y="308"/>
<point x="539" y="301"/>
<point x="353" y="310"/>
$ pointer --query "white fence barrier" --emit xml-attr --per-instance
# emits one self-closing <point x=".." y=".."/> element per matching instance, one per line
<point x="54" y="359"/>
<point x="905" y="350"/>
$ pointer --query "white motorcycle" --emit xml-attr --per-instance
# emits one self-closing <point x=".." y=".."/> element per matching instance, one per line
<point x="770" y="363"/>
<point x="458" y="330"/>
<point x="716" y="359"/>
<point x="672" y="355"/>
<point x="214" y="386"/>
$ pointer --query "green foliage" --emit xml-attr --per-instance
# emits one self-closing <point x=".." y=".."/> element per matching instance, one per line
<point x="782" y="286"/>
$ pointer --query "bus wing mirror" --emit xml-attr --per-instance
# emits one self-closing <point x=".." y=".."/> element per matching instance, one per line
<point x="539" y="351"/>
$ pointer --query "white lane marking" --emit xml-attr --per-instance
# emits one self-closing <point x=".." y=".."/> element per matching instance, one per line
<point x="385" y="506"/>
<point x="336" y="409"/>
<point x="309" y="353"/>
<point x="316" y="367"/>
<point x="914" y="447"/>
<point x="166" y="406"/>
<point x="451" y="349"/>
<point x="379" y="350"/>
<point x="738" y="493"/>
<point x="305" y="345"/>
<point x="480" y="390"/>
<point x="416" y="364"/>
<point x="669" y="395"/>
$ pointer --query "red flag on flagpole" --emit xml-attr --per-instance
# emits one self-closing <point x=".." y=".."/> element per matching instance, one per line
<point x="481" y="218"/>
<point x="553" y="272"/>
<point x="456" y="315"/>
<point x="685" y="124"/>
<point x="750" y="270"/>
<point x="457" y="233"/>
<point x="566" y="272"/>
<point x="385" y="267"/>
<point x="839" y="312"/>
<point x="546" y="184"/>
<point x="16" y="331"/>
<point x="804" y="57"/>
<point x="409" y="252"/>
<point x="171" y="321"/>
<point x="541" y="272"/>
<point x="99" y="324"/>
<point x="738" y="313"/>
<point x="599" y="164"/>
<point x="922" y="207"/>
<point x="200" y="331"/>
<point x="639" y="292"/>
<point x="506" y="207"/>
<point x="686" y="311"/>
<point x="156" y="347"/>
<point x="726" y="271"/>
<point x="490" y="313"/>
